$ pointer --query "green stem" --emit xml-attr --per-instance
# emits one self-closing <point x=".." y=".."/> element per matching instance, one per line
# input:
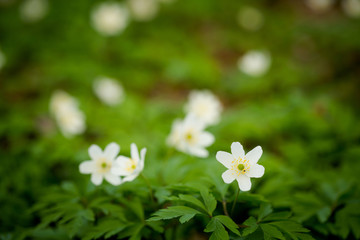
<point x="225" y="208"/>
<point x="149" y="186"/>
<point x="236" y="198"/>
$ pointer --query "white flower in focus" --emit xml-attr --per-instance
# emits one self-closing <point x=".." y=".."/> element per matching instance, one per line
<point x="240" y="166"/>
<point x="250" y="18"/>
<point x="2" y="59"/>
<point x="255" y="63"/>
<point x="33" y="10"/>
<point x="69" y="118"/>
<point x="205" y="106"/>
<point x="319" y="5"/>
<point x="130" y="168"/>
<point x="188" y="136"/>
<point x="101" y="164"/>
<point x="351" y="7"/>
<point x="110" y="18"/>
<point x="108" y="90"/>
<point x="143" y="10"/>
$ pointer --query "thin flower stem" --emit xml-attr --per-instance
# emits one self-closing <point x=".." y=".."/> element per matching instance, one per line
<point x="149" y="186"/>
<point x="236" y="198"/>
<point x="225" y="208"/>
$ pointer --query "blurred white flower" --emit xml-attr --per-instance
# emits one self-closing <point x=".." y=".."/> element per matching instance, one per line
<point x="108" y="90"/>
<point x="255" y="63"/>
<point x="250" y="18"/>
<point x="2" y="59"/>
<point x="351" y="7"/>
<point x="69" y="118"/>
<point x="319" y="5"/>
<point x="110" y="18"/>
<point x="143" y="10"/>
<point x="240" y="166"/>
<point x="130" y="168"/>
<point x="205" y="106"/>
<point x="33" y="10"/>
<point x="188" y="136"/>
<point x="101" y="164"/>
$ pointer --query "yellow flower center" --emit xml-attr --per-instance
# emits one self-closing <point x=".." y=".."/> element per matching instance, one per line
<point x="131" y="166"/>
<point x="104" y="165"/>
<point x="240" y="166"/>
<point x="189" y="137"/>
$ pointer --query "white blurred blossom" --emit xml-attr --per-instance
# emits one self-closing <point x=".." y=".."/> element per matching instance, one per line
<point x="143" y="10"/>
<point x="250" y="18"/>
<point x="255" y="63"/>
<point x="2" y="59"/>
<point x="68" y="116"/>
<point x="101" y="164"/>
<point x="130" y="168"/>
<point x="240" y="166"/>
<point x="33" y="10"/>
<point x="205" y="106"/>
<point x="319" y="5"/>
<point x="189" y="136"/>
<point x="108" y="90"/>
<point x="351" y="7"/>
<point x="110" y="18"/>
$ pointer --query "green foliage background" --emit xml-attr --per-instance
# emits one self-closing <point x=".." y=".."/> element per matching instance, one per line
<point x="304" y="113"/>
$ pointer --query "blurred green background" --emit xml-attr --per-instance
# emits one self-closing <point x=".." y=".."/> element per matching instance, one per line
<point x="304" y="111"/>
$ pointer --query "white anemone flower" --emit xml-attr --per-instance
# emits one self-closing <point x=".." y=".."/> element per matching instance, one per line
<point x="255" y="63"/>
<point x="143" y="10"/>
<point x="108" y="90"/>
<point x="250" y="18"/>
<point x="240" y="166"/>
<point x="205" y="106"/>
<point x="70" y="119"/>
<point x="189" y="136"/>
<point x="2" y="59"/>
<point x="33" y="10"/>
<point x="319" y="5"/>
<point x="101" y="164"/>
<point x="351" y="7"/>
<point x="130" y="168"/>
<point x="110" y="18"/>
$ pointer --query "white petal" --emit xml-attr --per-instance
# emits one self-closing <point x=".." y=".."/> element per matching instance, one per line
<point x="198" y="152"/>
<point x="224" y="158"/>
<point x="112" y="150"/>
<point x="95" y="151"/>
<point x="255" y="171"/>
<point x="206" y="139"/>
<point x="237" y="150"/>
<point x="87" y="167"/>
<point x="130" y="177"/>
<point x="244" y="182"/>
<point x="111" y="178"/>
<point x="254" y="155"/>
<point x="142" y="159"/>
<point x="134" y="152"/>
<point x="120" y="164"/>
<point x="96" y="178"/>
<point x="228" y="176"/>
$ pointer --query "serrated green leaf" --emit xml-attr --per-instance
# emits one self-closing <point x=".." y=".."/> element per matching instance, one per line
<point x="323" y="214"/>
<point x="106" y="228"/>
<point x="304" y="236"/>
<point x="271" y="232"/>
<point x="252" y="226"/>
<point x="277" y="216"/>
<point x="290" y="228"/>
<point x="209" y="200"/>
<point x="157" y="226"/>
<point x="217" y="229"/>
<point x="193" y="200"/>
<point x="229" y="223"/>
<point x="265" y="210"/>
<point x="176" y="211"/>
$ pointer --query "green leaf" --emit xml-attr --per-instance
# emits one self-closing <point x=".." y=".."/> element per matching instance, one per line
<point x="185" y="213"/>
<point x="302" y="236"/>
<point x="193" y="200"/>
<point x="271" y="232"/>
<point x="252" y="226"/>
<point x="217" y="229"/>
<point x="290" y="228"/>
<point x="157" y="226"/>
<point x="265" y="210"/>
<point x="107" y="228"/>
<point x="277" y="216"/>
<point x="229" y="223"/>
<point x="209" y="200"/>
<point x="136" y="206"/>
